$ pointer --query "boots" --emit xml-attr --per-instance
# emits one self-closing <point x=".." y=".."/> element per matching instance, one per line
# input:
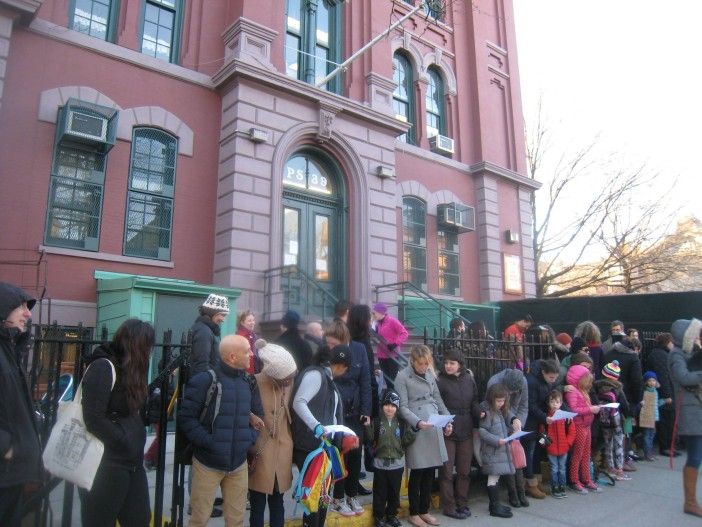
<point x="519" y="477"/>
<point x="690" y="488"/>
<point x="512" y="491"/>
<point x="533" y="490"/>
<point x="496" y="508"/>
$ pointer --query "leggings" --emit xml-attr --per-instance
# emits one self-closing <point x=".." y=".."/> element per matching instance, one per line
<point x="118" y="493"/>
<point x="694" y="451"/>
<point x="580" y="457"/>
<point x="419" y="490"/>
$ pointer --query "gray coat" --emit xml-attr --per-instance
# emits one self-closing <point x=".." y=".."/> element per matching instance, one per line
<point x="518" y="401"/>
<point x="419" y="398"/>
<point x="497" y="459"/>
<point x="688" y="406"/>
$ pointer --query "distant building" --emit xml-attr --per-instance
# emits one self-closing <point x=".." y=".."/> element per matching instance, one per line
<point x="155" y="149"/>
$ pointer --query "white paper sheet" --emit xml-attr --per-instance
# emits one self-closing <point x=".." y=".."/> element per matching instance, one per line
<point x="517" y="435"/>
<point x="330" y="429"/>
<point x="439" y="421"/>
<point x="559" y="415"/>
<point x="610" y="405"/>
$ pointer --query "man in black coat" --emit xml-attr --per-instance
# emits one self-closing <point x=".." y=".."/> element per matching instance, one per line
<point x="20" y="449"/>
<point x="292" y="341"/>
<point x="206" y="332"/>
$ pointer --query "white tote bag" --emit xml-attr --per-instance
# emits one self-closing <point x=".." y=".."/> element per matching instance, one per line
<point x="72" y="453"/>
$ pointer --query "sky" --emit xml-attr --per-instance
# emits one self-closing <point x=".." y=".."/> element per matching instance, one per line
<point x="626" y="70"/>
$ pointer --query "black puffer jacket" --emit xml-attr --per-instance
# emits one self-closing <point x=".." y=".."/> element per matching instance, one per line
<point x="106" y="412"/>
<point x="631" y="375"/>
<point x="205" y="350"/>
<point x="657" y="361"/>
<point x="18" y="429"/>
<point x="538" y="391"/>
<point x="223" y="445"/>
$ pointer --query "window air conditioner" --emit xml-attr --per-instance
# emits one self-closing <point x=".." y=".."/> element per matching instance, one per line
<point x="441" y="144"/>
<point x="87" y="126"/>
<point x="456" y="216"/>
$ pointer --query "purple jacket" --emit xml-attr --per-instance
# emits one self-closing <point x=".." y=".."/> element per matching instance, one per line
<point x="393" y="332"/>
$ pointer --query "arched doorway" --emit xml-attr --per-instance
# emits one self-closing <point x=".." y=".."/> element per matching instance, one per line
<point x="314" y="230"/>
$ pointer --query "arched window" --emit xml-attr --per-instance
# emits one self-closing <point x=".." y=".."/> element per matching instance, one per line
<point x="403" y="100"/>
<point x="436" y="121"/>
<point x="147" y="232"/>
<point x="414" y="241"/>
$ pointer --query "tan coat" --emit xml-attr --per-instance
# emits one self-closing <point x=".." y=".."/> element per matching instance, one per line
<point x="274" y="444"/>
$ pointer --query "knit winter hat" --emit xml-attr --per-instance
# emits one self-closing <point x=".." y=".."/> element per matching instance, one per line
<point x="391" y="397"/>
<point x="291" y="319"/>
<point x="513" y="380"/>
<point x="650" y="375"/>
<point x="612" y="370"/>
<point x="380" y="308"/>
<point x="278" y="363"/>
<point x="216" y="304"/>
<point x="564" y="339"/>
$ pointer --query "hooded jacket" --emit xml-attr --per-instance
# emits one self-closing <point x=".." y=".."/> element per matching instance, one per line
<point x="577" y="402"/>
<point x="205" y="346"/>
<point x="687" y="406"/>
<point x="18" y="430"/>
<point x="631" y="375"/>
<point x="538" y="391"/>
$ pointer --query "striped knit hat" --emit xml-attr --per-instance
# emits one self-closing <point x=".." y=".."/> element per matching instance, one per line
<point x="612" y="370"/>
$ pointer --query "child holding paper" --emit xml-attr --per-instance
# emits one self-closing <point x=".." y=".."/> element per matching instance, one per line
<point x="561" y="435"/>
<point x="609" y="390"/>
<point x="579" y="402"/>
<point x="495" y="452"/>
<point x="650" y="415"/>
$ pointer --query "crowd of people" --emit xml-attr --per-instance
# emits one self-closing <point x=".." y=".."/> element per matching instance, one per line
<point x="252" y="408"/>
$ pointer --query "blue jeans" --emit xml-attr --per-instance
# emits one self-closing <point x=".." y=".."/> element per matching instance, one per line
<point x="648" y="435"/>
<point x="532" y="456"/>
<point x="558" y="469"/>
<point x="694" y="451"/>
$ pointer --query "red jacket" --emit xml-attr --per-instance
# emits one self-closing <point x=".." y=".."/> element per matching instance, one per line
<point x="562" y="436"/>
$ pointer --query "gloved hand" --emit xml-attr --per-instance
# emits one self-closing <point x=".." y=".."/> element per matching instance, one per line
<point x="318" y="431"/>
<point x="392" y="347"/>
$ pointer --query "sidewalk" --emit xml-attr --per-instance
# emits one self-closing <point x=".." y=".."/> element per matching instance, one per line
<point x="652" y="498"/>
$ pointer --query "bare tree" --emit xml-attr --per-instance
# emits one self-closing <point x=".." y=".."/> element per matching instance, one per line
<point x="574" y="250"/>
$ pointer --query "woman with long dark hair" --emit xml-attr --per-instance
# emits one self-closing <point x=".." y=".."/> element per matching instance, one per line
<point x="115" y="415"/>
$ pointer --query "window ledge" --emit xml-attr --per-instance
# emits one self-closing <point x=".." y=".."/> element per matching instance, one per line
<point x="105" y="256"/>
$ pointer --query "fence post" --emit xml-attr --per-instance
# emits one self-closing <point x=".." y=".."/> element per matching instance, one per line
<point x="162" y="430"/>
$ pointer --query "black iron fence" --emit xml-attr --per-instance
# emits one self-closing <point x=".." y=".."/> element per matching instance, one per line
<point x="485" y="355"/>
<point x="55" y="364"/>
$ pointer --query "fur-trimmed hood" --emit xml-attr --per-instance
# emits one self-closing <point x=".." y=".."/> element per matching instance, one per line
<point x="606" y="385"/>
<point x="685" y="332"/>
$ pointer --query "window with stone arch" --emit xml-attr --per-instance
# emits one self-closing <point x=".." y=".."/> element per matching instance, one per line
<point x="414" y="241"/>
<point x="403" y="96"/>
<point x="436" y="112"/>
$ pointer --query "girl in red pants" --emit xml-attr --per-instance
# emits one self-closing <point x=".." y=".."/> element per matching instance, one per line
<point x="578" y="398"/>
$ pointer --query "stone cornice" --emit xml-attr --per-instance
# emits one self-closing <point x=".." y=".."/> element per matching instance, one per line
<point x="108" y="49"/>
<point x="27" y="8"/>
<point x="240" y="68"/>
<point x="486" y="167"/>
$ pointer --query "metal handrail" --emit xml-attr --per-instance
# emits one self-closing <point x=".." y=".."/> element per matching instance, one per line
<point x="290" y="270"/>
<point x="416" y="291"/>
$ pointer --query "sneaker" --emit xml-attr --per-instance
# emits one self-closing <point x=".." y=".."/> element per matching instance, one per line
<point x="650" y="457"/>
<point x="464" y="510"/>
<point x="620" y="475"/>
<point x="354" y="506"/>
<point x="592" y="487"/>
<point x="556" y="493"/>
<point x="341" y="507"/>
<point x="578" y="488"/>
<point x="393" y="521"/>
<point x="629" y="467"/>
<point x="562" y="492"/>
<point x="378" y="522"/>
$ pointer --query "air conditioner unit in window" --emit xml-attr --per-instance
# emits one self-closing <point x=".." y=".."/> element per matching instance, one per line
<point x="87" y="125"/>
<point x="441" y="144"/>
<point x="456" y="216"/>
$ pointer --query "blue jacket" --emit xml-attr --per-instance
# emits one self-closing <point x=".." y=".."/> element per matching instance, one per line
<point x="354" y="386"/>
<point x="223" y="445"/>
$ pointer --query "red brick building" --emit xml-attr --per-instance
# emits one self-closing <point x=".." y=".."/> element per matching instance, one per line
<point x="161" y="148"/>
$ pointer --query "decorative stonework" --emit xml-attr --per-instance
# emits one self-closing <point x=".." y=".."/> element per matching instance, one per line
<point x="51" y="100"/>
<point x="327" y="113"/>
<point x="249" y="41"/>
<point x="379" y="95"/>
